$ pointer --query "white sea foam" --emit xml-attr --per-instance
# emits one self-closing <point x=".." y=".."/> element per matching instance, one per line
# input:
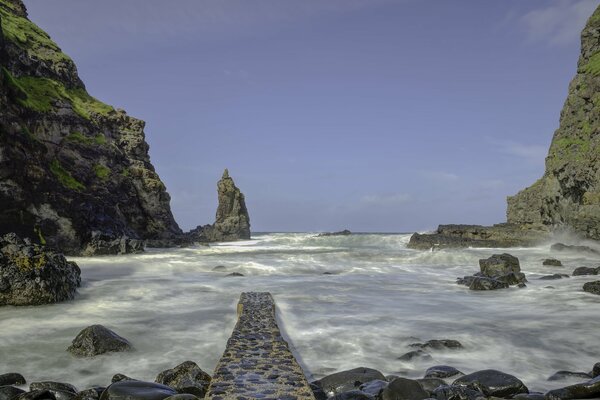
<point x="378" y="298"/>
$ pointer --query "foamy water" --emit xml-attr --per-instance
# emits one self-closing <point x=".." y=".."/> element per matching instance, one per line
<point x="378" y="298"/>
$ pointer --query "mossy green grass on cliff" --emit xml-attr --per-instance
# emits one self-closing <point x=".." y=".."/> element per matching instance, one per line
<point x="65" y="176"/>
<point x="593" y="66"/>
<point x="78" y="137"/>
<point x="29" y="36"/>
<point x="101" y="172"/>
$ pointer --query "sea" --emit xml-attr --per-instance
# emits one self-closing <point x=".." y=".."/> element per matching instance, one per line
<point x="342" y="302"/>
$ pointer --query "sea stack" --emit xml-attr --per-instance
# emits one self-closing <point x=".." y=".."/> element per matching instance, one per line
<point x="568" y="195"/>
<point x="232" y="220"/>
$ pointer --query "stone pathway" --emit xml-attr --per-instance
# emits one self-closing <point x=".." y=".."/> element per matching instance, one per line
<point x="257" y="363"/>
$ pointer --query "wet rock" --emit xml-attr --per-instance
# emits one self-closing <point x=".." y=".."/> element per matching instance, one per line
<point x="492" y="383"/>
<point x="121" y="377"/>
<point x="499" y="265"/>
<point x="373" y="388"/>
<point x="235" y="274"/>
<point x="12" y="378"/>
<point x="52" y="386"/>
<point x="102" y="244"/>
<point x="346" y="381"/>
<point x="573" y="248"/>
<point x="182" y="396"/>
<point x="430" y="384"/>
<point x="404" y="389"/>
<point x="9" y="392"/>
<point x="530" y="396"/>
<point x="219" y="268"/>
<point x="36" y="395"/>
<point x="345" y="232"/>
<point x="439" y="344"/>
<point x="484" y="283"/>
<point x="553" y="277"/>
<point x="318" y="391"/>
<point x="415" y="355"/>
<point x="137" y="390"/>
<point x="560" y="375"/>
<point x="456" y="393"/>
<point x="467" y="280"/>
<point x="97" y="339"/>
<point x="352" y="395"/>
<point x="552" y="262"/>
<point x="585" y="390"/>
<point x="31" y="274"/>
<point x="442" y="371"/>
<point x="90" y="394"/>
<point x="585" y="271"/>
<point x="592" y="287"/>
<point x="596" y="370"/>
<point x="187" y="378"/>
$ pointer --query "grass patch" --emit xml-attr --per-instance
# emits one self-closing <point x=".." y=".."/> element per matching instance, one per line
<point x="65" y="177"/>
<point x="101" y="171"/>
<point x="39" y="94"/>
<point x="100" y="139"/>
<point x="593" y="66"/>
<point x="78" y="137"/>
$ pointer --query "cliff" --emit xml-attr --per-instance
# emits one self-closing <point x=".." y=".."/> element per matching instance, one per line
<point x="74" y="171"/>
<point x="568" y="195"/>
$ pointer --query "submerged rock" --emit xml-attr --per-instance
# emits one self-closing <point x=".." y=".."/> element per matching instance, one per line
<point x="553" y="277"/>
<point x="31" y="274"/>
<point x="97" y="339"/>
<point x="492" y="383"/>
<point x="404" y="389"/>
<point x="592" y="287"/>
<point x="580" y="271"/>
<point x="552" y="262"/>
<point x="137" y="390"/>
<point x="439" y="344"/>
<point x="419" y="355"/>
<point x="442" y="371"/>
<point x="345" y="381"/>
<point x="345" y="232"/>
<point x="12" y="378"/>
<point x="561" y="375"/>
<point x="187" y="378"/>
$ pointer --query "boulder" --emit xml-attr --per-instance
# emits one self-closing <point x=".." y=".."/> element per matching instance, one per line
<point x="31" y="274"/>
<point x="561" y="375"/>
<point x="499" y="265"/>
<point x="585" y="390"/>
<point x="35" y="395"/>
<point x="137" y="390"/>
<point x="596" y="370"/>
<point x="373" y="388"/>
<point x="552" y="262"/>
<point x="12" y="378"/>
<point x="182" y="396"/>
<point x="404" y="389"/>
<point x="430" y="384"/>
<point x="419" y="355"/>
<point x="9" y="392"/>
<point x="318" y="391"/>
<point x="439" y="344"/>
<point x="101" y="244"/>
<point x="553" y="277"/>
<point x="93" y="393"/>
<point x="530" y="396"/>
<point x="345" y="232"/>
<point x="592" y="287"/>
<point x="187" y="378"/>
<point x="121" y="377"/>
<point x="352" y="395"/>
<point x="456" y="393"/>
<point x="483" y="283"/>
<point x="97" y="339"/>
<point x="442" y="371"/>
<point x="492" y="383"/>
<point x="346" y="381"/>
<point x="52" y="386"/>
<point x="585" y="271"/>
<point x="235" y="274"/>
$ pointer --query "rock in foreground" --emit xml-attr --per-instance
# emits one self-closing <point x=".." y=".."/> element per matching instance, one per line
<point x="492" y="383"/>
<point x="345" y="381"/>
<point x="31" y="274"/>
<point x="592" y="287"/>
<point x="586" y="390"/>
<point x="187" y="378"/>
<point x="97" y="339"/>
<point x="137" y="390"/>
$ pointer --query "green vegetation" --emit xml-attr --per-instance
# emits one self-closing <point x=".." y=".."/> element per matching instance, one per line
<point x="38" y="231"/>
<point x="78" y="137"/>
<point x="126" y="173"/>
<point x="39" y="94"/>
<point x="593" y="66"/>
<point x="65" y="177"/>
<point x="100" y="139"/>
<point x="29" y="36"/>
<point x="101" y="171"/>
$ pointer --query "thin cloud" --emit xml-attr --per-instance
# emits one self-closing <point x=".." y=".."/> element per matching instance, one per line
<point x="443" y="176"/>
<point x="559" y="22"/>
<point x="532" y="153"/>
<point x="390" y="199"/>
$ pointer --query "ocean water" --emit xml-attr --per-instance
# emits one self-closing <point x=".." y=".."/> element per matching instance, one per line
<point x="377" y="298"/>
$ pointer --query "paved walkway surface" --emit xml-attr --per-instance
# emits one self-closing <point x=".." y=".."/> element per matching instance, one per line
<point x="257" y="363"/>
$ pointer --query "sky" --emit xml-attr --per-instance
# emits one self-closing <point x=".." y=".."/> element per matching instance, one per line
<point x="371" y="115"/>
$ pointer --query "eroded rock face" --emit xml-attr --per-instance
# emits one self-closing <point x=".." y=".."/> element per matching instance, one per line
<point x="568" y="195"/>
<point x="31" y="274"/>
<point x="69" y="164"/>
<point x="232" y="220"/>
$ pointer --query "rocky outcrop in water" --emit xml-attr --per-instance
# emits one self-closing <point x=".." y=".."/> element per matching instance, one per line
<point x="31" y="274"/>
<point x="232" y="220"/>
<point x="568" y="195"/>
<point x="72" y="169"/>
<point x="97" y="339"/>
<point x="496" y="272"/>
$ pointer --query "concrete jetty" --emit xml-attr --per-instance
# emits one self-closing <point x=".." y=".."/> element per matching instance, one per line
<point x="257" y="363"/>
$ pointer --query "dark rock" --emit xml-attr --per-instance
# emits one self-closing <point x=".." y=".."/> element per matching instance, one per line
<point x="373" y="388"/>
<point x="585" y="271"/>
<point x="100" y="244"/>
<point x="404" y="389"/>
<point x="430" y="384"/>
<point x="592" y="287"/>
<point x="232" y="220"/>
<point x="483" y="283"/>
<point x="467" y="280"/>
<point x="561" y="375"/>
<point x="573" y="248"/>
<point x="36" y="395"/>
<point x="553" y="277"/>
<point x="345" y="232"/>
<point x="585" y="390"/>
<point x="187" y="378"/>
<point x="235" y="274"/>
<point x="415" y="355"/>
<point x="9" y="392"/>
<point x="318" y="392"/>
<point x="121" y="377"/>
<point x="12" y="378"/>
<point x="529" y="396"/>
<point x="499" y="265"/>
<point x="521" y="285"/>
<point x="182" y="396"/>
<point x="442" y="371"/>
<point x="492" y="383"/>
<point x="32" y="275"/>
<point x="52" y="386"/>
<point x="95" y="340"/>
<point x="90" y="394"/>
<point x="137" y="390"/>
<point x="219" y="268"/>
<point x="552" y="262"/>
<point x="439" y="344"/>
<point x="352" y="395"/>
<point x="456" y="393"/>
<point x="596" y="370"/>
<point x="346" y="381"/>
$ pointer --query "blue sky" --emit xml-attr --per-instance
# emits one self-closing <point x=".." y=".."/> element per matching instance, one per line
<point x="372" y="115"/>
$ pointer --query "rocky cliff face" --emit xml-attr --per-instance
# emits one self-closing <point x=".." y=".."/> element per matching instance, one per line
<point x="232" y="221"/>
<point x="568" y="195"/>
<point x="71" y="167"/>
